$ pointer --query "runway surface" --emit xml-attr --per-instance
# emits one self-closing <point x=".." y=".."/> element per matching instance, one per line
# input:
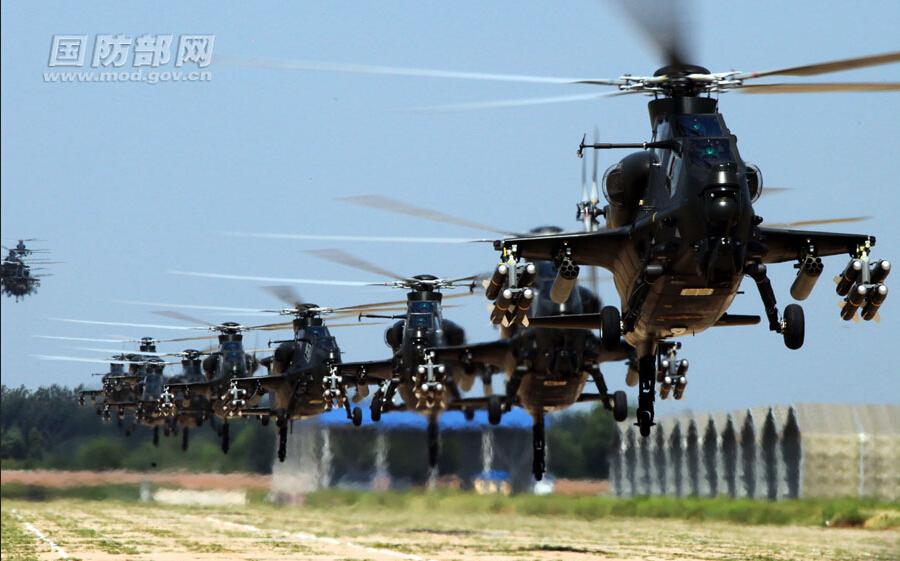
<point x="105" y="530"/>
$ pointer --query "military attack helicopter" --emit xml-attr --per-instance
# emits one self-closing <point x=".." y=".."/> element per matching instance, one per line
<point x="680" y="231"/>
<point x="423" y="384"/>
<point x="17" y="278"/>
<point x="230" y="360"/>
<point x="305" y="374"/>
<point x="546" y="368"/>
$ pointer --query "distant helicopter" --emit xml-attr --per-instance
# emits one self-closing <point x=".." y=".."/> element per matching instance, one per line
<point x="228" y="361"/>
<point x="305" y="375"/>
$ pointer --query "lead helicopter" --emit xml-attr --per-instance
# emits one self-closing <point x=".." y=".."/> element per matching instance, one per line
<point x="679" y="232"/>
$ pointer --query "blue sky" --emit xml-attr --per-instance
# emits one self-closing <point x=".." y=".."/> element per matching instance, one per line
<point x="126" y="181"/>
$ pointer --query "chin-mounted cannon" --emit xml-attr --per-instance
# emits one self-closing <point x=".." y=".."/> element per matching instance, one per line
<point x="510" y="289"/>
<point x="862" y="286"/>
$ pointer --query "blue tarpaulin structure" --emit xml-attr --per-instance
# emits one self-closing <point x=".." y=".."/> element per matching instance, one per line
<point x="408" y="420"/>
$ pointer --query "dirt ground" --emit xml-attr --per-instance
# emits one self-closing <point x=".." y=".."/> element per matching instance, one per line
<point x="185" y="480"/>
<point x="103" y="531"/>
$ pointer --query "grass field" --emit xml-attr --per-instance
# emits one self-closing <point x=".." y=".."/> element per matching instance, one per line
<point x="343" y="526"/>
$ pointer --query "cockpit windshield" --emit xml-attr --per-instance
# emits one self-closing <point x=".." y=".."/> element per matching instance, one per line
<point x="697" y="125"/>
<point x="425" y="307"/>
<point x="319" y="334"/>
<point x="421" y="321"/>
<point x="421" y="315"/>
<point x="710" y="151"/>
<point x="233" y="359"/>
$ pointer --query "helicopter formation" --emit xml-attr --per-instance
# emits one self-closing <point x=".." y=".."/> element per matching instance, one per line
<point x="678" y="233"/>
<point x="17" y="278"/>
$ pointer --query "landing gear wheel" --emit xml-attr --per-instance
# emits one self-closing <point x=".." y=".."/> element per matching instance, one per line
<point x="620" y="406"/>
<point x="645" y="421"/>
<point x="184" y="439"/>
<point x="646" y="394"/>
<point x="433" y="443"/>
<point x="610" y="327"/>
<point x="794" y="326"/>
<point x="357" y="416"/>
<point x="377" y="404"/>
<point x="264" y="420"/>
<point x="156" y="436"/>
<point x="225" y="438"/>
<point x="282" y="440"/>
<point x="468" y="413"/>
<point x="495" y="411"/>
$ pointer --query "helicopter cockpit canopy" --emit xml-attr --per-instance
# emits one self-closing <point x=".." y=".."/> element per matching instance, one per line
<point x="233" y="359"/>
<point x="421" y="315"/>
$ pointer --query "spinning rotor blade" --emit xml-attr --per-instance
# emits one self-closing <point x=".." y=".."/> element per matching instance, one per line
<point x="115" y="351"/>
<point x="520" y="102"/>
<point x="400" y="71"/>
<point x="344" y="258"/>
<point x="392" y="205"/>
<point x="86" y="339"/>
<point x="276" y="279"/>
<point x="824" y="87"/>
<point x="120" y="340"/>
<point x="661" y="23"/>
<point x="827" y="67"/>
<point x="93" y="360"/>
<point x="334" y="238"/>
<point x="125" y="324"/>
<point x="802" y="223"/>
<point x="189" y="306"/>
<point x="287" y="294"/>
<point x="184" y="317"/>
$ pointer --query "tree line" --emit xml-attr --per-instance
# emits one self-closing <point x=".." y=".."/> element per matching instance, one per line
<point x="46" y="428"/>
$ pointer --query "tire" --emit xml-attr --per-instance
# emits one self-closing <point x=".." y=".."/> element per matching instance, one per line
<point x="620" y="406"/>
<point x="644" y="423"/>
<point x="376" y="407"/>
<point x="495" y="412"/>
<point x="357" y="416"/>
<point x="794" y="326"/>
<point x="610" y="328"/>
<point x="468" y="413"/>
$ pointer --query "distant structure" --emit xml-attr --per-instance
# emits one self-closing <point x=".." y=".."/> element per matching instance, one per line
<point x="780" y="452"/>
<point x="392" y="453"/>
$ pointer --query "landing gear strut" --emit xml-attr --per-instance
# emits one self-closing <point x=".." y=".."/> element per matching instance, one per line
<point x="617" y="402"/>
<point x="184" y="439"/>
<point x="434" y="444"/>
<point x="226" y="442"/>
<point x="156" y="436"/>
<point x="282" y="425"/>
<point x="791" y="326"/>
<point x="646" y="394"/>
<point x="539" y="447"/>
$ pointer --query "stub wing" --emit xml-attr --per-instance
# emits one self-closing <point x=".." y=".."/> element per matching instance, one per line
<point x="366" y="371"/>
<point x="789" y="245"/>
<point x="261" y="384"/>
<point x="492" y="353"/>
<point x="600" y="248"/>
